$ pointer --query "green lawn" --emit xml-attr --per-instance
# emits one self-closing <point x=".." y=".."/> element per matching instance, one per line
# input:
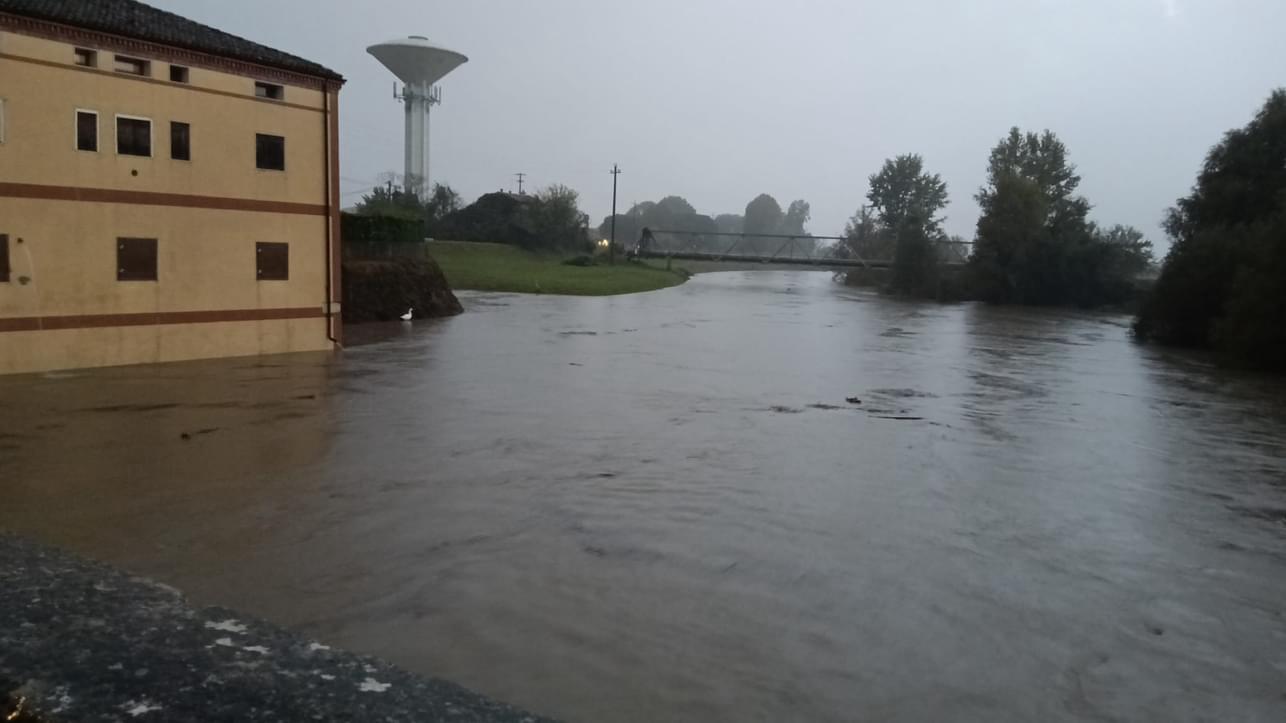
<point x="496" y="267"/>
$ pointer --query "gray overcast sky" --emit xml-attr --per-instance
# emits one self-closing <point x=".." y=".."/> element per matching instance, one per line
<point x="720" y="100"/>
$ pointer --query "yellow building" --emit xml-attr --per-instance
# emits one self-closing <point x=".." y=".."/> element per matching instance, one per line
<point x="167" y="191"/>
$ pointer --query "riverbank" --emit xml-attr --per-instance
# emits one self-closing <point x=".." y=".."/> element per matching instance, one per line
<point x="83" y="641"/>
<point x="498" y="267"/>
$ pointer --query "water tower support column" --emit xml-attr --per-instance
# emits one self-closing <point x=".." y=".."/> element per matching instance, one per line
<point x="418" y="100"/>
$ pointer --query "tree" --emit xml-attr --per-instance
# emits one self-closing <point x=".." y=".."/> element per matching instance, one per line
<point x="1011" y="235"/>
<point x="1035" y="243"/>
<point x="797" y="214"/>
<point x="698" y="226"/>
<point x="641" y="210"/>
<point x="1130" y="254"/>
<point x="675" y="207"/>
<point x="407" y="200"/>
<point x="902" y="193"/>
<point x="864" y="238"/>
<point x="628" y="228"/>
<point x="1221" y="283"/>
<point x="763" y="216"/>
<point x="1042" y="159"/>
<point x="393" y="200"/>
<point x="907" y="201"/>
<point x="1253" y="327"/>
<point x="442" y="201"/>
<point x="730" y="222"/>
<point x="556" y="219"/>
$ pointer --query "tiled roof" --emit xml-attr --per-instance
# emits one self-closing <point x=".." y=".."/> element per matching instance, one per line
<point x="134" y="19"/>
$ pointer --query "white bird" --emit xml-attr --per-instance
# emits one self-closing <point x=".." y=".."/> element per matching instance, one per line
<point x="407" y="315"/>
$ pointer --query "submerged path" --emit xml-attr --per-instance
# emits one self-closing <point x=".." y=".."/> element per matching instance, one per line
<point x="80" y="641"/>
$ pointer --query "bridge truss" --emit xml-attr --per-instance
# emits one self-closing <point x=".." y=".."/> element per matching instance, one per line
<point x="719" y="246"/>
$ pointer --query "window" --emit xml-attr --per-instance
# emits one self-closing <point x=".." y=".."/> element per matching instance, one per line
<point x="133" y="66"/>
<point x="86" y="58"/>
<point x="272" y="261"/>
<point x="133" y="136"/>
<point x="270" y="152"/>
<point x="136" y="259"/>
<point x="180" y="141"/>
<point x="4" y="257"/>
<point x="86" y="130"/>
<point x="178" y="74"/>
<point x="270" y="91"/>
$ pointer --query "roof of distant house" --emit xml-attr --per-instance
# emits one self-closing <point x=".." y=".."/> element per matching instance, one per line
<point x="133" y="19"/>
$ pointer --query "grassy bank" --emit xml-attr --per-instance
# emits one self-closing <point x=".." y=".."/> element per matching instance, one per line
<point x="496" y="267"/>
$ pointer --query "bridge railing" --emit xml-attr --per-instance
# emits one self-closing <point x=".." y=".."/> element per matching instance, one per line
<point x="769" y="248"/>
<point x="741" y="246"/>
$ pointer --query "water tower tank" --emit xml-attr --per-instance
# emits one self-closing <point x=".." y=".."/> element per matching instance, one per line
<point x="418" y="64"/>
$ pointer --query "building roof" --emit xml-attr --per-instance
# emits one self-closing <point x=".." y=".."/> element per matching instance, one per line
<point x="133" y="19"/>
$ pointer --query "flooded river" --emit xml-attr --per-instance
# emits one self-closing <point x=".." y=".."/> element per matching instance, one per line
<point x="663" y="507"/>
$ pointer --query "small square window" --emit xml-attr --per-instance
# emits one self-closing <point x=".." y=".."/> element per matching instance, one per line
<point x="269" y="91"/>
<point x="133" y="136"/>
<point x="133" y="66"/>
<point x="270" y="152"/>
<point x="180" y="141"/>
<point x="4" y="257"/>
<point x="86" y="58"/>
<point x="136" y="259"/>
<point x="86" y="130"/>
<point x="272" y="261"/>
<point x="178" y="74"/>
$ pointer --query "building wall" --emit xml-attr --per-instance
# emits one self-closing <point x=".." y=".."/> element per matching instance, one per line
<point x="63" y="210"/>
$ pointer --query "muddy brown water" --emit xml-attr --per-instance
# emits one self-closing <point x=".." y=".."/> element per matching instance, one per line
<point x="663" y="507"/>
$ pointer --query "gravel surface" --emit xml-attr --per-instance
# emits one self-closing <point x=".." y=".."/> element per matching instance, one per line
<point x="80" y="641"/>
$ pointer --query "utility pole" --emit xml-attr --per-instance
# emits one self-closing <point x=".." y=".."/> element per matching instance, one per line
<point x="611" y="244"/>
<point x="520" y="176"/>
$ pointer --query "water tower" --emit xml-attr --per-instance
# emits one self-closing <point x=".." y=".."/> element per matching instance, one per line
<point x="418" y="64"/>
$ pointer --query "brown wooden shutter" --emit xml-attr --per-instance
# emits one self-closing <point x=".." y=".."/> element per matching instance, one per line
<point x="272" y="261"/>
<point x="136" y="259"/>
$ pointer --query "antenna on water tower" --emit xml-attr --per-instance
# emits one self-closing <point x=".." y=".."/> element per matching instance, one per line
<point x="419" y="65"/>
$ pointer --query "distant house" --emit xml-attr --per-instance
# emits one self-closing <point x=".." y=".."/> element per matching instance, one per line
<point x="167" y="191"/>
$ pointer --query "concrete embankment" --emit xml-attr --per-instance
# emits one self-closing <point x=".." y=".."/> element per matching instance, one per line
<point x="80" y="641"/>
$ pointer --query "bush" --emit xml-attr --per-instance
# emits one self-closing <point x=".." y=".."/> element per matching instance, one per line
<point x="380" y="229"/>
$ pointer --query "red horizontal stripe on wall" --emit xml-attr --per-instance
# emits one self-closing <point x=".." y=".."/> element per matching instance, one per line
<point x="96" y="321"/>
<point x="148" y="198"/>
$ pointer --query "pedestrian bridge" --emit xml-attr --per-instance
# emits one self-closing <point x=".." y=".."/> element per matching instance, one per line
<point x="741" y="248"/>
